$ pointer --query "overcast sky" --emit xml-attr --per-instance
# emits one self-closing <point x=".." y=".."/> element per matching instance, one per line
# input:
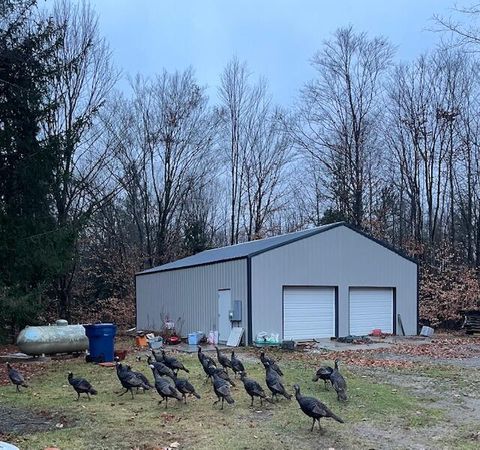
<point x="276" y="37"/>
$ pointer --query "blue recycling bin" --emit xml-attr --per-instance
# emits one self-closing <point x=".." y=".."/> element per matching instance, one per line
<point x="101" y="341"/>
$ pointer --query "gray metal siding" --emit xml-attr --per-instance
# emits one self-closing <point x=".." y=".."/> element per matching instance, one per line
<point x="339" y="257"/>
<point x="190" y="294"/>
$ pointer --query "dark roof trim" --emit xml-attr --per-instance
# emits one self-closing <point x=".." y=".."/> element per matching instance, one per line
<point x="209" y="263"/>
<point x="313" y="233"/>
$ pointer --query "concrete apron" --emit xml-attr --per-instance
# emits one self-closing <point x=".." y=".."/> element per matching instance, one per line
<point x="328" y="344"/>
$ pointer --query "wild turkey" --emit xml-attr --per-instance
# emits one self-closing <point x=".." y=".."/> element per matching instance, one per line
<point x="222" y="390"/>
<point x="161" y="368"/>
<point x="157" y="375"/>
<point x="323" y="373"/>
<point x="157" y="355"/>
<point x="206" y="368"/>
<point x="173" y="363"/>
<point x="274" y="383"/>
<point x="314" y="408"/>
<point x="185" y="388"/>
<point x="205" y="360"/>
<point x="220" y="372"/>
<point x="165" y="389"/>
<point x="223" y="360"/>
<point x="265" y="359"/>
<point x="81" y="386"/>
<point x="141" y="376"/>
<point x="237" y="365"/>
<point x="16" y="377"/>
<point x="253" y="388"/>
<point x="129" y="380"/>
<point x="339" y="383"/>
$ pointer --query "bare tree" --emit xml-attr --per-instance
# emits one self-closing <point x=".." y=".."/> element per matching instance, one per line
<point x="466" y="30"/>
<point x="164" y="155"/>
<point x="467" y="184"/>
<point x="130" y="171"/>
<point x="463" y="29"/>
<point x="200" y="221"/>
<point x="239" y="101"/>
<point x="465" y="175"/>
<point x="338" y="114"/>
<point x="427" y="107"/>
<point x="414" y="136"/>
<point x="79" y="93"/>
<point x="267" y="151"/>
<point x="309" y="190"/>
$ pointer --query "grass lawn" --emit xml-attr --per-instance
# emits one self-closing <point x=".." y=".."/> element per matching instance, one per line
<point x="112" y="422"/>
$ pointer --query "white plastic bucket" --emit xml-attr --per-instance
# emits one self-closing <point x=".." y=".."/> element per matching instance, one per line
<point x="213" y="337"/>
<point x="426" y="331"/>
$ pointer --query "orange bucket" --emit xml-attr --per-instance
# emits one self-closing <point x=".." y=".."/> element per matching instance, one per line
<point x="140" y="341"/>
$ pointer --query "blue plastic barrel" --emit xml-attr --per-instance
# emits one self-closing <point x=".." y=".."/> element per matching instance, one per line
<point x="101" y="341"/>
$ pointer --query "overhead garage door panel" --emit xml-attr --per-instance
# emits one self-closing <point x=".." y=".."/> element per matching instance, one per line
<point x="308" y="313"/>
<point x="371" y="308"/>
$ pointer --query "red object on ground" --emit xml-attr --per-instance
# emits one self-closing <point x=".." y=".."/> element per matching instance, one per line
<point x="174" y="340"/>
<point x="121" y="354"/>
<point x="107" y="364"/>
<point x="376" y="332"/>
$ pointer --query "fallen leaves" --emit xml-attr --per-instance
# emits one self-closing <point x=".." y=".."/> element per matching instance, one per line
<point x="399" y="355"/>
<point x="447" y="288"/>
<point x="28" y="370"/>
<point x="440" y="348"/>
<point x="167" y="418"/>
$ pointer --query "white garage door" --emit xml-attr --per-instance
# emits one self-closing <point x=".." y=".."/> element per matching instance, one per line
<point x="308" y="313"/>
<point x="371" y="308"/>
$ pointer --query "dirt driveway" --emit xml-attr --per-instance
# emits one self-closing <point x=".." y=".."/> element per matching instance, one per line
<point x="444" y="373"/>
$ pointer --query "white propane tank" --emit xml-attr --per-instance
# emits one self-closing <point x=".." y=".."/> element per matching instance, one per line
<point x="58" y="338"/>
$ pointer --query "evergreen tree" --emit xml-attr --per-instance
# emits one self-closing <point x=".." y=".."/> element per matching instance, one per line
<point x="32" y="250"/>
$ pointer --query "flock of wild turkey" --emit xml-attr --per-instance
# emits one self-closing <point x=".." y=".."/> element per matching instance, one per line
<point x="168" y="385"/>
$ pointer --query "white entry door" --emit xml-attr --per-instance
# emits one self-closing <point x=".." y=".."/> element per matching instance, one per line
<point x="308" y="313"/>
<point x="224" y="307"/>
<point x="370" y="309"/>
